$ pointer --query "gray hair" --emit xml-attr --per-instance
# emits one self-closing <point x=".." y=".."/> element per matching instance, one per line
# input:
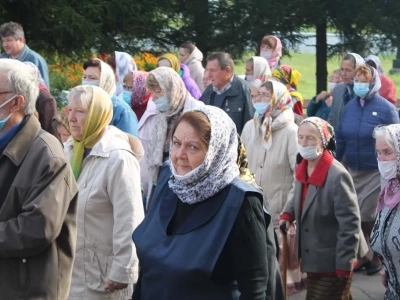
<point x="224" y="60"/>
<point x="383" y="131"/>
<point x="20" y="79"/>
<point x="12" y="29"/>
<point x="82" y="94"/>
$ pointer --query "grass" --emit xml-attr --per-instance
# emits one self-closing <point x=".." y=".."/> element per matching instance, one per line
<point x="306" y="65"/>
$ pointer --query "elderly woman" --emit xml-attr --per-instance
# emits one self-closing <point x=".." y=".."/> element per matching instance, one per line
<point x="61" y="125"/>
<point x="170" y="60"/>
<point x="384" y="237"/>
<point x="257" y="68"/>
<point x="109" y="203"/>
<point x="137" y="95"/>
<point x="356" y="145"/>
<point x="271" y="50"/>
<point x="171" y="99"/>
<point x="205" y="234"/>
<point x="325" y="208"/>
<point x="191" y="56"/>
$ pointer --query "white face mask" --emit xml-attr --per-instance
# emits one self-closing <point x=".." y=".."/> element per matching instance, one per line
<point x="250" y="78"/>
<point x="388" y="169"/>
<point x="331" y="85"/>
<point x="308" y="152"/>
<point x="266" y="54"/>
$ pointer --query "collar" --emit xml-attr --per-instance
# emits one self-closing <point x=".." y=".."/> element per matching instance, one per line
<point x="22" y="54"/>
<point x="225" y="88"/>
<point x="6" y="137"/>
<point x="320" y="173"/>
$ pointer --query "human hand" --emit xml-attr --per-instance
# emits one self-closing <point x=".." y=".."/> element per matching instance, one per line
<point x="322" y="95"/>
<point x="284" y="225"/>
<point x="112" y="286"/>
<point x="328" y="101"/>
<point x="384" y="277"/>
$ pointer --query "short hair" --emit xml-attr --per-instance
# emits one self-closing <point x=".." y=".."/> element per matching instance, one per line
<point x="364" y="70"/>
<point x="82" y="94"/>
<point x="151" y="82"/>
<point x="20" y="79"/>
<point x="269" y="86"/>
<point x="189" y="47"/>
<point x="269" y="40"/>
<point x="92" y="63"/>
<point x="12" y="29"/>
<point x="383" y="131"/>
<point x="224" y="60"/>
<point x="200" y="123"/>
<point x="112" y="61"/>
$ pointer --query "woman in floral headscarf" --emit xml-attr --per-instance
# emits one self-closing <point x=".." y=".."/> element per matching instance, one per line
<point x="384" y="237"/>
<point x="271" y="50"/>
<point x="290" y="78"/>
<point x="324" y="206"/>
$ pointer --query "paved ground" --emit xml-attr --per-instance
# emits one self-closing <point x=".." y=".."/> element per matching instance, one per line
<point x="363" y="287"/>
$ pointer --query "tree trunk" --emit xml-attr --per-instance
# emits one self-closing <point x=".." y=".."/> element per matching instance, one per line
<point x="321" y="56"/>
<point x="202" y="26"/>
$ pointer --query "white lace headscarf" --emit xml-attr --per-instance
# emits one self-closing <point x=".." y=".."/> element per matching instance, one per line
<point x="175" y="91"/>
<point x="124" y="64"/>
<point x="107" y="78"/>
<point x="219" y="167"/>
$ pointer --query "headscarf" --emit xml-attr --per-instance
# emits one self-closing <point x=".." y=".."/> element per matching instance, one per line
<point x="219" y="167"/>
<point x="325" y="130"/>
<point x="276" y="53"/>
<point x="196" y="55"/>
<point x="36" y="72"/>
<point x="359" y="60"/>
<point x="377" y="62"/>
<point x="289" y="77"/>
<point x="62" y="118"/>
<point x="175" y="91"/>
<point x="390" y="194"/>
<point x="99" y="115"/>
<point x="140" y="94"/>
<point x="173" y="60"/>
<point x="260" y="69"/>
<point x="375" y="83"/>
<point x="124" y="64"/>
<point x="107" y="78"/>
<point x="243" y="164"/>
<point x="281" y="101"/>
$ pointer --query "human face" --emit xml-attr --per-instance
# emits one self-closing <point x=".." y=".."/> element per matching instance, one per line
<point x="384" y="151"/>
<point x="164" y="63"/>
<point x="308" y="135"/>
<point x="157" y="93"/>
<point x="219" y="77"/>
<point x="77" y="118"/>
<point x="206" y="80"/>
<point x="183" y="55"/>
<point x="265" y="47"/>
<point x="63" y="132"/>
<point x="360" y="78"/>
<point x="12" y="46"/>
<point x="264" y="95"/>
<point x="91" y="74"/>
<point x="335" y="78"/>
<point x="128" y="82"/>
<point x="347" y="71"/>
<point x="249" y="69"/>
<point x="254" y="94"/>
<point x="187" y="152"/>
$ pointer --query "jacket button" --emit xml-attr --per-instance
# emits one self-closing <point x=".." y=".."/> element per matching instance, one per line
<point x="24" y="260"/>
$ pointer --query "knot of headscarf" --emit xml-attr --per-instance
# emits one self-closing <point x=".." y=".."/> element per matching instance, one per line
<point x="390" y="194"/>
<point x="281" y="101"/>
<point x="325" y="130"/>
<point x="173" y="60"/>
<point x="290" y="78"/>
<point x="219" y="167"/>
<point x="98" y="116"/>
<point x="107" y="78"/>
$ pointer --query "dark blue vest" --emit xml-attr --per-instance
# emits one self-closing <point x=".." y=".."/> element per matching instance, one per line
<point x="180" y="266"/>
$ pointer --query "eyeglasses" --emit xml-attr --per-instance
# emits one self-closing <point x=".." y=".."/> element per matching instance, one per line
<point x="127" y="87"/>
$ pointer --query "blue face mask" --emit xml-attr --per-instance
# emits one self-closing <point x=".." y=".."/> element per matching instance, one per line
<point x="161" y="103"/>
<point x="95" y="83"/>
<point x="361" y="89"/>
<point x="4" y="121"/>
<point x="261" y="107"/>
<point x="127" y="97"/>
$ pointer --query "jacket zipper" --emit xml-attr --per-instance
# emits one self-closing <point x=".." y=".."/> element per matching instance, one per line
<point x="23" y="273"/>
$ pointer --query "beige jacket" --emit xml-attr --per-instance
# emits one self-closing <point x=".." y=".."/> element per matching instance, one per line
<point x="274" y="168"/>
<point x="109" y="209"/>
<point x="196" y="68"/>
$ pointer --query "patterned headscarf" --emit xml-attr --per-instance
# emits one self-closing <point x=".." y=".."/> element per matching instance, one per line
<point x="173" y="60"/>
<point x="289" y="77"/>
<point x="375" y="84"/>
<point x="107" y="78"/>
<point x="325" y="130"/>
<point x="281" y="101"/>
<point x="140" y="94"/>
<point x="376" y="61"/>
<point x="390" y="194"/>
<point x="124" y="64"/>
<point x="219" y="167"/>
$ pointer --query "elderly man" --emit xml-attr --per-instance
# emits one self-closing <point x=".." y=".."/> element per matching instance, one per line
<point x="13" y="41"/>
<point x="100" y="74"/>
<point x="38" y="196"/>
<point x="228" y="91"/>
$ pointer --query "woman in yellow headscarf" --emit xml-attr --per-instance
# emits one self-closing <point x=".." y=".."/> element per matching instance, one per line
<point x="109" y="203"/>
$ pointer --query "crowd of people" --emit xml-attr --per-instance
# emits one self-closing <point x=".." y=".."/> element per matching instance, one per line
<point x="188" y="182"/>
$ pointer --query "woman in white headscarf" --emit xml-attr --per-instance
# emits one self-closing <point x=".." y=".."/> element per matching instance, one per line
<point x="257" y="69"/>
<point x="171" y="99"/>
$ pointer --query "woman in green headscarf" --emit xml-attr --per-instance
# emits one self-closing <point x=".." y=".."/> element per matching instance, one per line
<point x="109" y="203"/>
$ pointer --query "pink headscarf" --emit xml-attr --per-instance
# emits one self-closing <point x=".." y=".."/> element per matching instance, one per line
<point x="140" y="94"/>
<point x="276" y="53"/>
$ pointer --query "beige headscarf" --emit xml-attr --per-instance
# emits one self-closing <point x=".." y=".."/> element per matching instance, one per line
<point x="107" y="78"/>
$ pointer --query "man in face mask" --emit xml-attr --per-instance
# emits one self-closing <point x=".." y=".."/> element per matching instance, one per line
<point x="98" y="73"/>
<point x="38" y="195"/>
